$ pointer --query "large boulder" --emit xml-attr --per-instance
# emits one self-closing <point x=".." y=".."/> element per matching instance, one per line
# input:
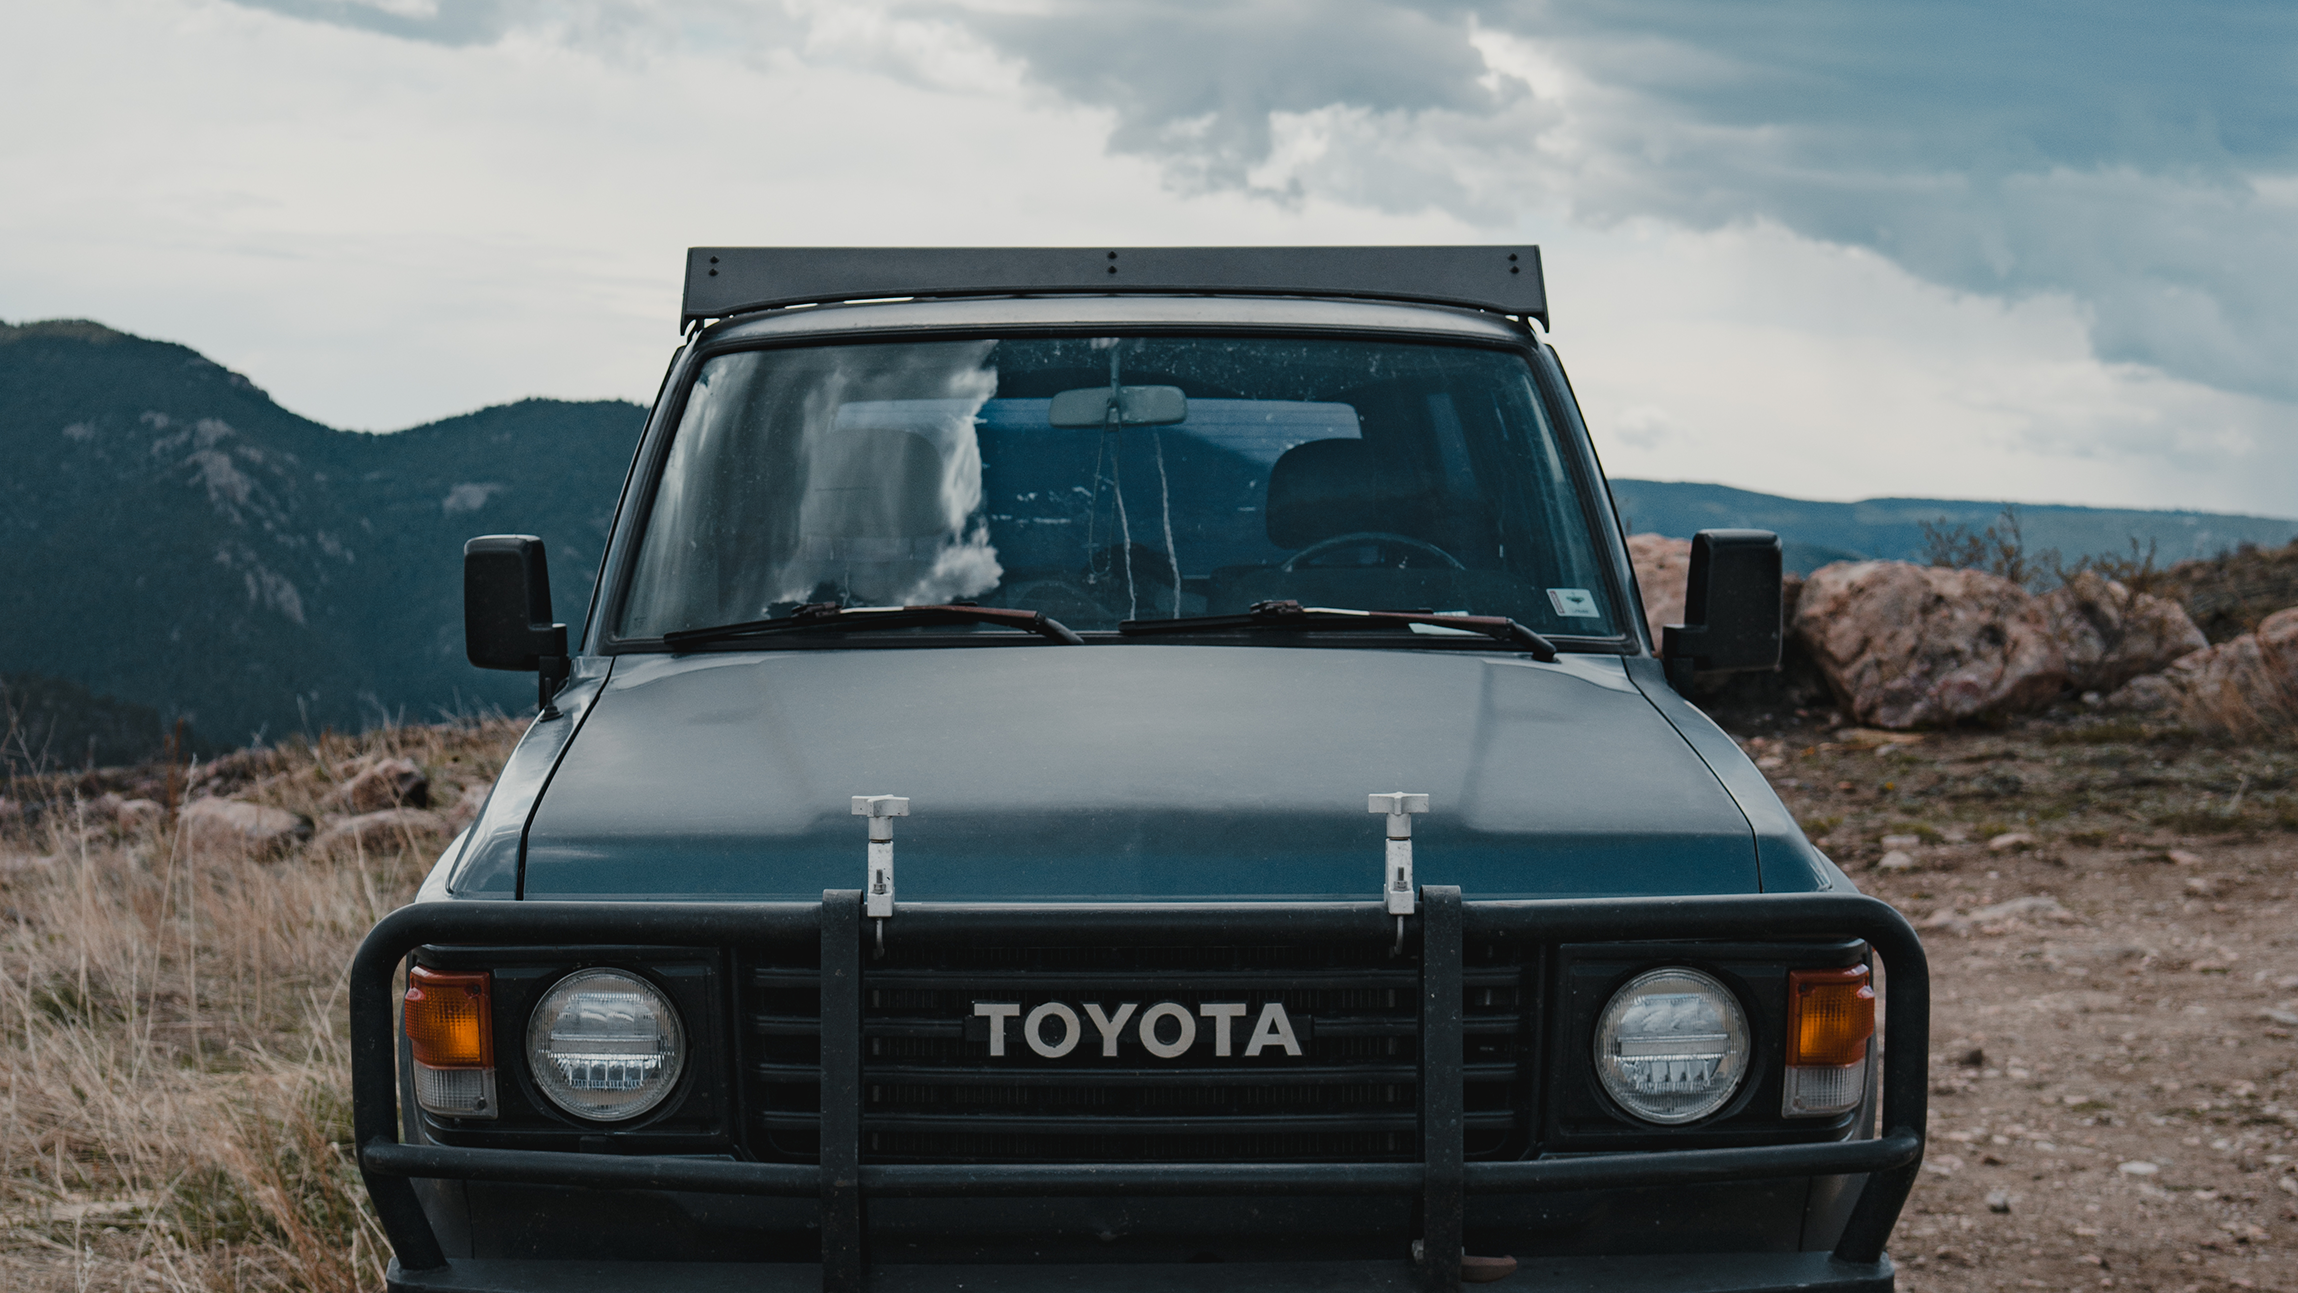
<point x="1662" y="566"/>
<point x="381" y="784"/>
<point x="219" y="823"/>
<point x="1919" y="646"/>
<point x="2245" y="685"/>
<point x="383" y="830"/>
<point x="465" y="809"/>
<point x="2278" y="643"/>
<point x="2110" y="635"/>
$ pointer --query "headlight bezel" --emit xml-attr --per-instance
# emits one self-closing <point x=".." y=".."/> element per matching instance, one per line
<point x="1574" y="1112"/>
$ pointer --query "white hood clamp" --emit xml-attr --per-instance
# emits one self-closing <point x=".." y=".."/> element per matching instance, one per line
<point x="1397" y="888"/>
<point x="878" y="894"/>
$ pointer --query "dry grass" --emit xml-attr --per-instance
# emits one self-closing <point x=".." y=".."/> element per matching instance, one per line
<point x="174" y="1100"/>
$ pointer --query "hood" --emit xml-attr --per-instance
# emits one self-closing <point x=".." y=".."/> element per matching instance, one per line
<point x="1128" y="772"/>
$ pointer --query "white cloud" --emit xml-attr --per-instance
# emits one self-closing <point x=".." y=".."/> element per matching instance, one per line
<point x="390" y="212"/>
<point x="1751" y="357"/>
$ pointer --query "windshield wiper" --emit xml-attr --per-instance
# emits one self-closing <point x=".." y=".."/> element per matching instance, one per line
<point x="1294" y="616"/>
<point x="831" y="617"/>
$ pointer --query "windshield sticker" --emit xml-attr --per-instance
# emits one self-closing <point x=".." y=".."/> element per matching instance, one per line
<point x="1574" y="603"/>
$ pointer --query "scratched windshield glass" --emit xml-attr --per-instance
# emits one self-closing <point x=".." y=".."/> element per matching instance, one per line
<point x="1105" y="479"/>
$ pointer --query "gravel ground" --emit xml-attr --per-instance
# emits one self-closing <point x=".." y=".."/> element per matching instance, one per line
<point x="2108" y="910"/>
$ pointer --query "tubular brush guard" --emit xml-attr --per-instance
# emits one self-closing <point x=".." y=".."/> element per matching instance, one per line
<point x="1440" y="1181"/>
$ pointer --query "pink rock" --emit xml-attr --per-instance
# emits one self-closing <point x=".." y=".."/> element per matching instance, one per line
<point x="383" y="830"/>
<point x="2149" y="693"/>
<point x="1906" y="646"/>
<point x="226" y="822"/>
<point x="135" y="812"/>
<point x="2110" y="635"/>
<point x="1662" y="565"/>
<point x="466" y="809"/>
<point x="110" y="807"/>
<point x="2278" y="643"/>
<point x="2245" y="685"/>
<point x="384" y="783"/>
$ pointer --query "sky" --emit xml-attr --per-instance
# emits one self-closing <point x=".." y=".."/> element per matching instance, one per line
<point x="2045" y="252"/>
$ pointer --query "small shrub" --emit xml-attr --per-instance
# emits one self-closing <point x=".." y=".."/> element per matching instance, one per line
<point x="2137" y="572"/>
<point x="2000" y="550"/>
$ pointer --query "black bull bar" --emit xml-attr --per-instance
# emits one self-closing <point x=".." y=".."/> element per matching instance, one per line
<point x="1441" y="1181"/>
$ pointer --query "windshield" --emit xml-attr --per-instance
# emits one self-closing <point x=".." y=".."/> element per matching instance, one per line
<point x="1104" y="479"/>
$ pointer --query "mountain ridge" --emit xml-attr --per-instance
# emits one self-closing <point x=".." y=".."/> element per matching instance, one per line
<point x="1892" y="528"/>
<point x="182" y="542"/>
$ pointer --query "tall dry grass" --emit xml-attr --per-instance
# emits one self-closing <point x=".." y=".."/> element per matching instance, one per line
<point x="174" y="1092"/>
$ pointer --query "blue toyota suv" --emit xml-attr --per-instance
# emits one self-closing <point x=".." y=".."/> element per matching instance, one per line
<point x="1133" y="769"/>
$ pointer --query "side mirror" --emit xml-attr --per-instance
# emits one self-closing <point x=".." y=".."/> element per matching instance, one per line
<point x="1731" y="607"/>
<point x="507" y="611"/>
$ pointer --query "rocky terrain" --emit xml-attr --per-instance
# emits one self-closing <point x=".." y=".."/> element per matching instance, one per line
<point x="1903" y="646"/>
<point x="2111" y="912"/>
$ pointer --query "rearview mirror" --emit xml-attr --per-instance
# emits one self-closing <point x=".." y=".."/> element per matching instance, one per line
<point x="1137" y="406"/>
<point x="507" y="611"/>
<point x="1731" y="607"/>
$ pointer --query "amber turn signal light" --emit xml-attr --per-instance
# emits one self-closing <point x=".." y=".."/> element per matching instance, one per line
<point x="449" y="1024"/>
<point x="1830" y="1017"/>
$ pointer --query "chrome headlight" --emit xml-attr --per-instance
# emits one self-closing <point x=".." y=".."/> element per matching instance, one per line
<point x="1672" y="1046"/>
<point x="605" y="1045"/>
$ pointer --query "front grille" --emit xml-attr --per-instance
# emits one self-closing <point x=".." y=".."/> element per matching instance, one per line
<point x="933" y="1093"/>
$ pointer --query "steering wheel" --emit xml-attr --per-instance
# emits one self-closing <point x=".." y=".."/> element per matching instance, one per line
<point x="1382" y="537"/>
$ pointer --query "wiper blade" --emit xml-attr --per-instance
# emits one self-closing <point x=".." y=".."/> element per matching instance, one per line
<point x="1293" y="615"/>
<point x="831" y="617"/>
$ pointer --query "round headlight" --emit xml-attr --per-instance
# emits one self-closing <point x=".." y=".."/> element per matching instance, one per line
<point x="605" y="1045"/>
<point x="1672" y="1046"/>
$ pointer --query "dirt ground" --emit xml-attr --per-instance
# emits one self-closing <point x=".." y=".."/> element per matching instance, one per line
<point x="2108" y="911"/>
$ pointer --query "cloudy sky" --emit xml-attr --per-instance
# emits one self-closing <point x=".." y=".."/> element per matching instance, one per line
<point x="2045" y="251"/>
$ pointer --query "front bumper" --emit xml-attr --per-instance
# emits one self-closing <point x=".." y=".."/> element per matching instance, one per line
<point x="1688" y="1273"/>
<point x="1439" y="1186"/>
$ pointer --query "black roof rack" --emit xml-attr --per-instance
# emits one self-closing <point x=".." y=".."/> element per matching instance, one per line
<point x="722" y="281"/>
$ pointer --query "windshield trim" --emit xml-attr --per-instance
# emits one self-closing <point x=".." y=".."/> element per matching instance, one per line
<point x="642" y="486"/>
<point x="995" y="636"/>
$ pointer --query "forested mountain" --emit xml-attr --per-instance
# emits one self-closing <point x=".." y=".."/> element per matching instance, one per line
<point x="175" y="539"/>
